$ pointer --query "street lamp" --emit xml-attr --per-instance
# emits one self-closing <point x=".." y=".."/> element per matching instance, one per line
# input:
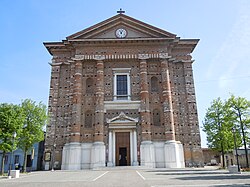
<point x="236" y="151"/>
<point x="11" y="153"/>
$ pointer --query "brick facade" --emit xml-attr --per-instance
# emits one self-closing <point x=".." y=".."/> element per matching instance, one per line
<point x="161" y="80"/>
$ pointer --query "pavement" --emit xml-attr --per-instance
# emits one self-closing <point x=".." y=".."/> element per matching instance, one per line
<point x="129" y="177"/>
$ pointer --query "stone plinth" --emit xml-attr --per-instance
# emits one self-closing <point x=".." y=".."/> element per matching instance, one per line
<point x="98" y="155"/>
<point x="174" y="156"/>
<point x="147" y="154"/>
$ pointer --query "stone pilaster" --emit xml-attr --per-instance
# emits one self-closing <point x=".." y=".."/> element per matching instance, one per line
<point x="168" y="117"/>
<point x="76" y="101"/>
<point x="144" y="110"/>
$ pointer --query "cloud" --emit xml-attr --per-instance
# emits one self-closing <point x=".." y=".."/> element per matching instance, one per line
<point x="233" y="58"/>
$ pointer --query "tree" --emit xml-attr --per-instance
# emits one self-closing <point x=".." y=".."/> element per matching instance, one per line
<point x="32" y="131"/>
<point x="240" y="108"/>
<point x="218" y="127"/>
<point x="11" y="121"/>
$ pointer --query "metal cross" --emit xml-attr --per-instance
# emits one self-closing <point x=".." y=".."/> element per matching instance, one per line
<point x="120" y="11"/>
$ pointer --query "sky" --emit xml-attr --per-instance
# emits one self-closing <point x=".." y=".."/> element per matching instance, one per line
<point x="222" y="57"/>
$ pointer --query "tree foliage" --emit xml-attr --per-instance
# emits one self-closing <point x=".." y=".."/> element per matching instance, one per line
<point x="218" y="126"/>
<point x="240" y="108"/>
<point x="32" y="131"/>
<point x="223" y="119"/>
<point x="11" y="121"/>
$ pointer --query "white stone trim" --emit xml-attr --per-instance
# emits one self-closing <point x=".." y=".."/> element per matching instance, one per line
<point x="121" y="104"/>
<point x="121" y="71"/>
<point x="77" y="156"/>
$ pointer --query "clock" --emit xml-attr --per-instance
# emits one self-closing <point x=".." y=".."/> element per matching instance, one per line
<point x="121" y="33"/>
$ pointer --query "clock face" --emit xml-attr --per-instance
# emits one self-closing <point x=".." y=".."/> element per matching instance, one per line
<point x="121" y="33"/>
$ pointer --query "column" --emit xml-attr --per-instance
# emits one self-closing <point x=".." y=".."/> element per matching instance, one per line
<point x="144" y="110"/>
<point x="135" y="162"/>
<point x="77" y="103"/>
<point x="167" y="101"/>
<point x="110" y="158"/>
<point x="146" y="147"/>
<point x="173" y="150"/>
<point x="99" y="110"/>
<point x="98" y="149"/>
<point x="114" y="148"/>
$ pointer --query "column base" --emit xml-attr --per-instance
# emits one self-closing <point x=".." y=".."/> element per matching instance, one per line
<point x="71" y="158"/>
<point x="135" y="164"/>
<point x="174" y="155"/>
<point x="110" y="164"/>
<point x="97" y="155"/>
<point x="147" y="154"/>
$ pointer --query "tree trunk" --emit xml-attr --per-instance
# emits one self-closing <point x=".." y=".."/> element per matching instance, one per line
<point x="25" y="160"/>
<point x="244" y="140"/>
<point x="2" y="164"/>
<point x="223" y="155"/>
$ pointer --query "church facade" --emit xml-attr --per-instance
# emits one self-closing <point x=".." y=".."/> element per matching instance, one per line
<point x="122" y="94"/>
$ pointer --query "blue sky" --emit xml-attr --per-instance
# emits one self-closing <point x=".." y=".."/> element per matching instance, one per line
<point x="222" y="57"/>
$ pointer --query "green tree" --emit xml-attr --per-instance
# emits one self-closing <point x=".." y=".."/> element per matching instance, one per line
<point x="32" y="132"/>
<point x="240" y="108"/>
<point x="11" y="121"/>
<point x="218" y="127"/>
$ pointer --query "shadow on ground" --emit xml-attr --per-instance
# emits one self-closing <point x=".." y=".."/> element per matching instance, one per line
<point x="214" y="177"/>
<point x="233" y="185"/>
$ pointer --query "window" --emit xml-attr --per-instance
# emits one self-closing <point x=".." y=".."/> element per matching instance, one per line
<point x="121" y="87"/>
<point x="16" y="159"/>
<point x="121" y="83"/>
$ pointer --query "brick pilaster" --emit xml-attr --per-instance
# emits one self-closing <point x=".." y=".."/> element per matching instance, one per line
<point x="76" y="100"/>
<point x="144" y="94"/>
<point x="99" y="110"/>
<point x="168" y="117"/>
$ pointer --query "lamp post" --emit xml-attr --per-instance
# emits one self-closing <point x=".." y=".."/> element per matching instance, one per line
<point x="235" y="147"/>
<point x="11" y="153"/>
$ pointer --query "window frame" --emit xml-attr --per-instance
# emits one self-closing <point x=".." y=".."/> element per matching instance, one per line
<point x="117" y="72"/>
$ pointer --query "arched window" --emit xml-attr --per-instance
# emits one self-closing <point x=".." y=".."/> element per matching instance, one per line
<point x="154" y="84"/>
<point x="89" y="85"/>
<point x="156" y="117"/>
<point x="88" y="119"/>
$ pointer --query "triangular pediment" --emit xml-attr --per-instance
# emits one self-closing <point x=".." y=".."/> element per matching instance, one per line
<point x="134" y="29"/>
<point x="122" y="118"/>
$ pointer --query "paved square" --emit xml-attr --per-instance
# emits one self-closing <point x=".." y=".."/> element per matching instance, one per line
<point x="129" y="177"/>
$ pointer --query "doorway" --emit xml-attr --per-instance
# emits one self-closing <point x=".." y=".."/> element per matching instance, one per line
<point x="123" y="156"/>
<point x="122" y="148"/>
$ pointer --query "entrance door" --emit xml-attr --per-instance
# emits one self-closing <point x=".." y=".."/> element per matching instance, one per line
<point x="122" y="148"/>
<point x="123" y="156"/>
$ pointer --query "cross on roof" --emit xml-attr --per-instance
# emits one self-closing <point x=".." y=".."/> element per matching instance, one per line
<point x="120" y="11"/>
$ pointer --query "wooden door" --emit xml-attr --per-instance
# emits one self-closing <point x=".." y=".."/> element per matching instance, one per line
<point x="122" y="147"/>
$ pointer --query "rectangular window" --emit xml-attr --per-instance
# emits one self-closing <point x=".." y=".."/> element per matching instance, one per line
<point x="122" y="85"/>
<point x="16" y="159"/>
